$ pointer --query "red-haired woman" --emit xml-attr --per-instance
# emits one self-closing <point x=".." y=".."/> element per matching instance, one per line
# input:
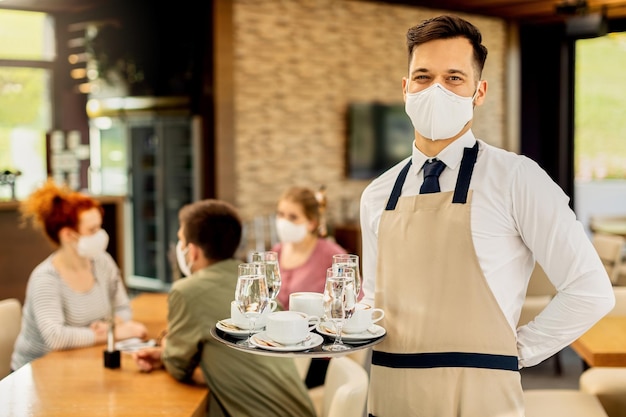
<point x="73" y="291"/>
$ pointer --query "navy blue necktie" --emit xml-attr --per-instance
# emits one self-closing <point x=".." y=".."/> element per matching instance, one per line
<point x="432" y="170"/>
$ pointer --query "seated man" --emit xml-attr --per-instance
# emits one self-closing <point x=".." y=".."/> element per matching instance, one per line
<point x="240" y="384"/>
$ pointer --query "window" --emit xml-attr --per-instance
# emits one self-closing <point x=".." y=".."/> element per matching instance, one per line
<point x="27" y="52"/>
<point x="600" y="126"/>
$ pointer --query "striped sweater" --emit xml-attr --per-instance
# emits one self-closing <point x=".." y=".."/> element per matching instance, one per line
<point x="55" y="317"/>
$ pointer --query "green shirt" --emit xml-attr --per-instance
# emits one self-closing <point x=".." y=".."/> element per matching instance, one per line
<point x="244" y="384"/>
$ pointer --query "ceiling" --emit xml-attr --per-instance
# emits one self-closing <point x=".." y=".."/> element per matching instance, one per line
<point x="530" y="10"/>
<point x="519" y="10"/>
<point x="52" y="6"/>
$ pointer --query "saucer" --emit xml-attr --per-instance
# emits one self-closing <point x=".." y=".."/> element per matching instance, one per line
<point x="313" y="341"/>
<point x="227" y="326"/>
<point x="375" y="331"/>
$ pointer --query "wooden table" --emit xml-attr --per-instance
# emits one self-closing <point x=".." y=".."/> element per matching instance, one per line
<point x="604" y="344"/>
<point x="76" y="383"/>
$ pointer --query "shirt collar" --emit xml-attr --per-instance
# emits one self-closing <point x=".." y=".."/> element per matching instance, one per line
<point x="451" y="155"/>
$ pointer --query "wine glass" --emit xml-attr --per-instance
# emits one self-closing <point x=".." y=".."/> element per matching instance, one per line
<point x="349" y="261"/>
<point x="251" y="295"/>
<point x="339" y="302"/>
<point x="272" y="273"/>
<point x="272" y="270"/>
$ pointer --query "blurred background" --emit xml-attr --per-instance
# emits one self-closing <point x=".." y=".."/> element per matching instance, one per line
<point x="150" y="106"/>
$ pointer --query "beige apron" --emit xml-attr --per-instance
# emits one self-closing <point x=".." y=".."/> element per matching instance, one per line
<point x="449" y="350"/>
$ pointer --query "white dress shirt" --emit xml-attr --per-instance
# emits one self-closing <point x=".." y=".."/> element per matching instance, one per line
<point x="519" y="215"/>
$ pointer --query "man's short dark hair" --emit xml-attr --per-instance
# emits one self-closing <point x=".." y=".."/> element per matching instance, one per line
<point x="212" y="225"/>
<point x="447" y="27"/>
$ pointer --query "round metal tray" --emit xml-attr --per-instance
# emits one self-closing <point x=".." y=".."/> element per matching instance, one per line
<point x="315" y="352"/>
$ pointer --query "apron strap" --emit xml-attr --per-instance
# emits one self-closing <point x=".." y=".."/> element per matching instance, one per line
<point x="465" y="174"/>
<point x="397" y="187"/>
<point x="445" y="360"/>
<point x="462" y="181"/>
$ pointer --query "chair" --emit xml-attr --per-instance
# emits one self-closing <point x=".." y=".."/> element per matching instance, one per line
<point x="562" y="403"/>
<point x="302" y="365"/>
<point x="621" y="276"/>
<point x="363" y="357"/>
<point x="610" y="248"/>
<point x="344" y="393"/>
<point x="10" y="324"/>
<point x="609" y="385"/>
<point x="620" y="302"/>
<point x="257" y="235"/>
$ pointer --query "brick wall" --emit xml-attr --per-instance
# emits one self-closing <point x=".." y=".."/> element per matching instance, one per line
<point x="299" y="63"/>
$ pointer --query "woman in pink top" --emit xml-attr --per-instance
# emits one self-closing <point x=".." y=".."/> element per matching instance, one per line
<point x="303" y="255"/>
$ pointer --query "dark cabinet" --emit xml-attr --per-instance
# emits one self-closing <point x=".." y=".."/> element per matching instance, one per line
<point x="161" y="182"/>
<point x="148" y="156"/>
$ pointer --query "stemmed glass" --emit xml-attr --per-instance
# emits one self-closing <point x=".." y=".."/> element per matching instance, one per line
<point x="349" y="261"/>
<point x="272" y="271"/>
<point x="251" y="295"/>
<point x="339" y="302"/>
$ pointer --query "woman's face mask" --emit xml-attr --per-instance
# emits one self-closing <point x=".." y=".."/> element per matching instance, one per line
<point x="438" y="113"/>
<point x="92" y="245"/>
<point x="289" y="232"/>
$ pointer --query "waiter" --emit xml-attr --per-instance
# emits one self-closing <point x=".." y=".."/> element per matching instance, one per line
<point x="450" y="238"/>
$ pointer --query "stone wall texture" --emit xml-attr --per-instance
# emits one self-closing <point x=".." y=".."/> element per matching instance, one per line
<point x="299" y="64"/>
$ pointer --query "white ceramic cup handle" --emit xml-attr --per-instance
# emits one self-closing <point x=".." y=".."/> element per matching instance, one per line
<point x="316" y="321"/>
<point x="380" y="311"/>
<point x="272" y="305"/>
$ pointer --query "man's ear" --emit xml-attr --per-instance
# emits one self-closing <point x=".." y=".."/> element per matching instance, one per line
<point x="193" y="252"/>
<point x="481" y="93"/>
<point x="405" y="81"/>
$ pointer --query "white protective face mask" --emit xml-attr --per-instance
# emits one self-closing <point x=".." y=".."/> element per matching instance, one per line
<point x="185" y="267"/>
<point x="93" y="245"/>
<point x="437" y="113"/>
<point x="289" y="232"/>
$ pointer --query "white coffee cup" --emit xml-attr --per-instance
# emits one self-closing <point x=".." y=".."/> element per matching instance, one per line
<point x="241" y="321"/>
<point x="290" y="327"/>
<point x="362" y="318"/>
<point x="311" y="303"/>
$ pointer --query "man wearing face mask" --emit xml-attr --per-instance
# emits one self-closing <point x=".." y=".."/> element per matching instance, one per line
<point x="71" y="293"/>
<point x="450" y="238"/>
<point x="240" y="384"/>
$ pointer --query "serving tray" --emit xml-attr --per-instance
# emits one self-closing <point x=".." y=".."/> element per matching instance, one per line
<point x="315" y="352"/>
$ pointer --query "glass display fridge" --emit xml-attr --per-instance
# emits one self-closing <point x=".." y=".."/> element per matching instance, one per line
<point x="149" y="158"/>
